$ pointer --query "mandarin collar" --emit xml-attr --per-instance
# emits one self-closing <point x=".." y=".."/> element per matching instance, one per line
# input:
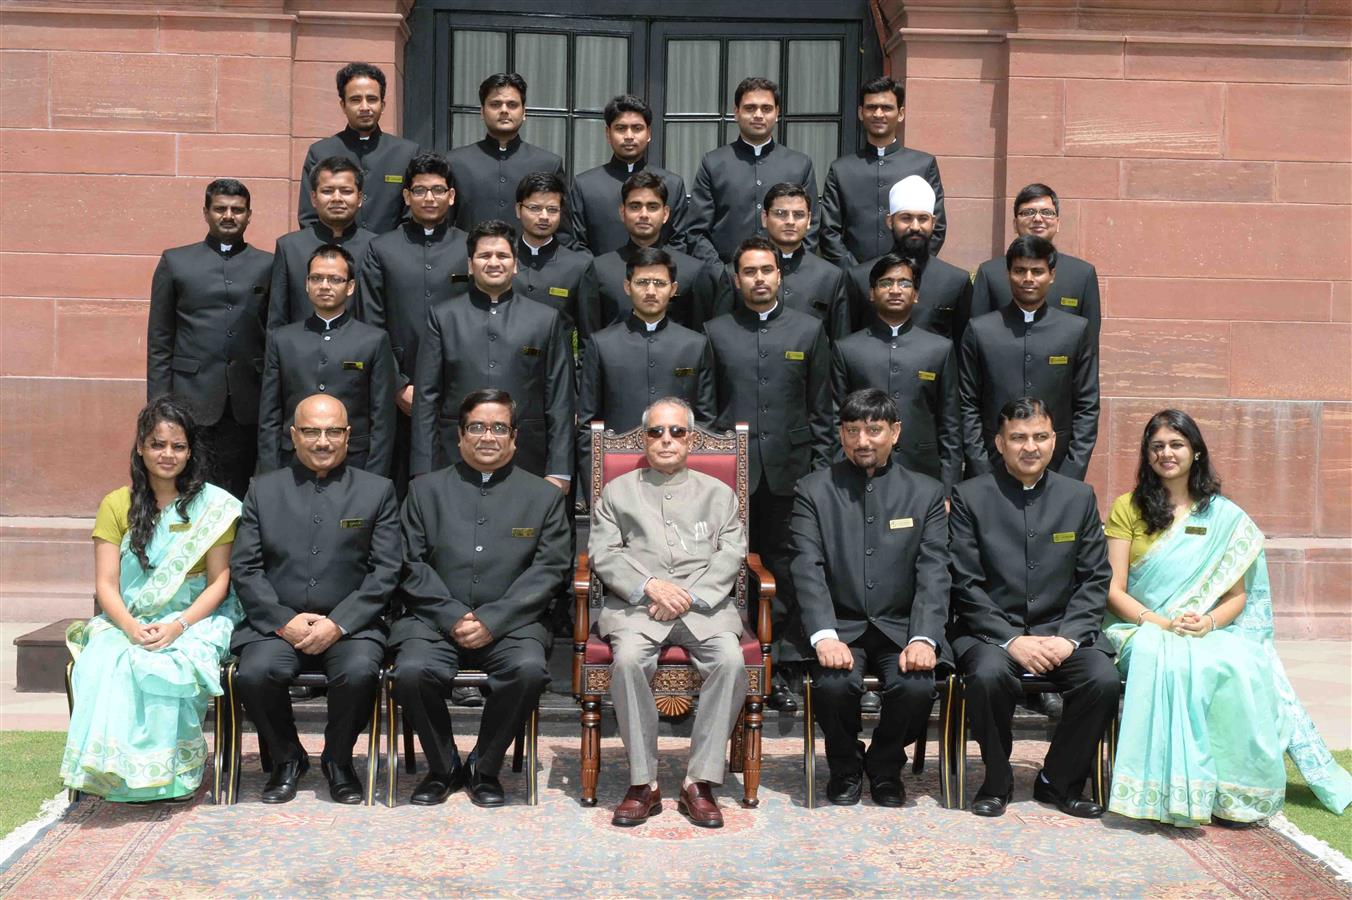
<point x="473" y="476"/>
<point x="235" y="249"/>
<point x="742" y="147"/>
<point x="881" y="329"/>
<point x="1014" y="488"/>
<point x="524" y="251"/>
<point x="350" y="135"/>
<point x="616" y="166"/>
<point x="491" y="146"/>
<point x="303" y="475"/>
<point x="638" y="326"/>
<point x="1014" y="313"/>
<point x="868" y="151"/>
<point x="660" y="479"/>
<point x="314" y="323"/>
<point x="484" y="302"/>
<point x="325" y="233"/>
<point x="749" y="316"/>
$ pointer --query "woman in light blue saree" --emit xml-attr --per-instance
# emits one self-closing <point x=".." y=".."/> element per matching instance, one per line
<point x="1209" y="712"/>
<point x="147" y="665"/>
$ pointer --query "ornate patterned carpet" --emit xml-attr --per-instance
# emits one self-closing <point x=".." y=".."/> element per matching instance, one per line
<point x="314" y="848"/>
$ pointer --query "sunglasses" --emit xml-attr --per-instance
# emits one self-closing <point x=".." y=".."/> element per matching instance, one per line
<point x="677" y="431"/>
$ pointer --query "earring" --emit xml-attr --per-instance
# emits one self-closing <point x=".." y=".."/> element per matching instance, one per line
<point x="1196" y="456"/>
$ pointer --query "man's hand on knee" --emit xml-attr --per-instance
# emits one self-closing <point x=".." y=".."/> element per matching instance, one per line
<point x="834" y="654"/>
<point x="668" y="601"/>
<point x="298" y="628"/>
<point x="323" y="634"/>
<point x="918" y="657"/>
<point x="1031" y="653"/>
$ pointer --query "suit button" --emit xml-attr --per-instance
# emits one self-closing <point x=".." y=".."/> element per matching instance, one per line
<point x="313" y="582"/>
<point x="758" y="182"/>
<point x="1028" y="357"/>
<point x="328" y="337"/>
<point x="764" y="354"/>
<point x="323" y="360"/>
<point x="479" y="549"/>
<point x="895" y="370"/>
<point x="883" y="210"/>
<point x="229" y="306"/>
<point x="896" y="394"/>
<point x="1032" y="534"/>
<point x="765" y="381"/>
<point x="502" y="180"/>
<point x="671" y="570"/>
<point x="228" y="281"/>
<point x="492" y="336"/>
<point x="868" y="552"/>
<point x="492" y="365"/>
<point x="476" y="579"/>
<point x="318" y="519"/>
<point x="667" y="496"/>
<point x="651" y="363"/>
<point x="764" y="330"/>
<point x="869" y="488"/>
<point x="765" y="435"/>
<point x="670" y="542"/>
<point x="483" y="493"/>
<point x="427" y="267"/>
<point x="1032" y="565"/>
<point x="652" y="390"/>
<point x="502" y="202"/>
<point x="321" y="386"/>
<point x="314" y="551"/>
<point x="229" y="334"/>
<point x="869" y="520"/>
<point x="869" y="585"/>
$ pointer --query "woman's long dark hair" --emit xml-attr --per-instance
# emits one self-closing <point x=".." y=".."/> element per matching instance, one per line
<point x="1151" y="497"/>
<point x="144" y="510"/>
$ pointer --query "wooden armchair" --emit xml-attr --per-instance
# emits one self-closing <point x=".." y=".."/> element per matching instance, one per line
<point x="676" y="683"/>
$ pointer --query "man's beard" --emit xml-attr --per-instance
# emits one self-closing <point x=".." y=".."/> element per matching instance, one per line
<point x="915" y="246"/>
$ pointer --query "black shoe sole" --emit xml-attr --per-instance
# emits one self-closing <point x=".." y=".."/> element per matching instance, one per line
<point x="698" y="823"/>
<point x="625" y="822"/>
<point x="429" y="801"/>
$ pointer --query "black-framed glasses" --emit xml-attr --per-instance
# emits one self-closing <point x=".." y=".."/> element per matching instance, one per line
<point x="436" y="190"/>
<point x="499" y="429"/>
<point x="676" y="431"/>
<point x="335" y="280"/>
<point x="1029" y="212"/>
<point x="314" y="434"/>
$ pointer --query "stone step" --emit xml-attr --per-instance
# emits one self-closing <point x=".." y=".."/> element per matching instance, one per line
<point x="46" y="568"/>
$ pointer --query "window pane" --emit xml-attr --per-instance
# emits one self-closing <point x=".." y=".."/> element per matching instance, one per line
<point x="466" y="128"/>
<point x="474" y="56"/>
<point x="692" y="77"/>
<point x="550" y="132"/>
<point x="814" y="78"/>
<point x="686" y="144"/>
<point x="542" y="59"/>
<point x="600" y="72"/>
<point x="747" y="58"/>
<point x="590" y="148"/>
<point x="819" y="140"/>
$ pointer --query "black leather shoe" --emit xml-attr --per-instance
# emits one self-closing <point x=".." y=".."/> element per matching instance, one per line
<point x="781" y="699"/>
<point x="281" y="784"/>
<point x="1050" y="705"/>
<point x="887" y="791"/>
<point x="484" y="790"/>
<point x="467" y="696"/>
<point x="344" y="785"/>
<point x="1071" y="806"/>
<point x="432" y="790"/>
<point x="845" y="788"/>
<point x="871" y="703"/>
<point x="989" y="805"/>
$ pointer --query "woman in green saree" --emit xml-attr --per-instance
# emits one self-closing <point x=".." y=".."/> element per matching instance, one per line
<point x="1209" y="712"/>
<point x="146" y="666"/>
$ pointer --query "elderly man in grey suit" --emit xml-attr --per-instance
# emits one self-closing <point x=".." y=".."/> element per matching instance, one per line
<point x="667" y="543"/>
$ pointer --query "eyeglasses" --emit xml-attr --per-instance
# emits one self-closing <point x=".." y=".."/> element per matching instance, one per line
<point x="659" y="283"/>
<point x="535" y="209"/>
<point x="436" y="190"/>
<point x="1033" y="213"/>
<point x="499" y="429"/>
<point x="798" y="215"/>
<point x="677" y="431"/>
<point x="314" y="434"/>
<point x="888" y="283"/>
<point x="335" y="280"/>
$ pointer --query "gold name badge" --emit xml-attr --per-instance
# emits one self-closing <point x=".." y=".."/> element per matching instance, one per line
<point x="523" y="532"/>
<point x="1072" y="302"/>
<point x="352" y="523"/>
<point x="926" y="376"/>
<point x="180" y="526"/>
<point x="531" y="351"/>
<point x="358" y="365"/>
<point x="394" y="179"/>
<point x="907" y="522"/>
<point x="683" y="372"/>
<point x="794" y="354"/>
<point x="558" y="292"/>
<point x="1063" y="537"/>
<point x="1195" y="529"/>
<point x="1057" y="360"/>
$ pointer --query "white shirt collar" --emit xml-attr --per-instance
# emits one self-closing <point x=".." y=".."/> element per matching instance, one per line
<point x="1029" y="487"/>
<point x="652" y="326"/>
<point x="758" y="147"/>
<point x="534" y="250"/>
<point x="766" y="315"/>
<point x="226" y="248"/>
<point x="328" y="323"/>
<point x="484" y="477"/>
<point x="429" y="231"/>
<point x="896" y="329"/>
<point x="1029" y="316"/>
<point x="882" y="151"/>
<point x="630" y="167"/>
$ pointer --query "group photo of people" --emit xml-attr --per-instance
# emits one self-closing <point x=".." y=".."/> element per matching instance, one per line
<point x="370" y="456"/>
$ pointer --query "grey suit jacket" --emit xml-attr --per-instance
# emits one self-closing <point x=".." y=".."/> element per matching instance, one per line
<point x="682" y="528"/>
<point x="291" y="264"/>
<point x="730" y="186"/>
<point x="1074" y="289"/>
<point x="593" y="207"/>
<point x="486" y="177"/>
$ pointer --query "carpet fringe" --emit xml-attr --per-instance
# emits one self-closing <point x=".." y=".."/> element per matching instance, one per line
<point x="1320" y="850"/>
<point x="17" y="841"/>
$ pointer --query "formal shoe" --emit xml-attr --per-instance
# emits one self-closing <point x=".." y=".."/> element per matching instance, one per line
<point x="990" y="805"/>
<point x="697" y="804"/>
<point x="436" y="787"/>
<point x="845" y="788"/>
<point x="467" y="696"/>
<point x="1071" y="806"/>
<point x="887" y="791"/>
<point x="639" y="802"/>
<point x="871" y="703"/>
<point x="782" y="699"/>
<point x="1231" y="823"/>
<point x="281" y="784"/>
<point x="1050" y="705"/>
<point x="483" y="790"/>
<point x="344" y="785"/>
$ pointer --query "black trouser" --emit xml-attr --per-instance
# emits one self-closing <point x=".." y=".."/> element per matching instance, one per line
<point x="1088" y="682"/>
<point x="907" y="699"/>
<point x="234" y="451"/>
<point x="403" y="451"/>
<point x="517" y="674"/>
<point x="769" y="536"/>
<point x="266" y="670"/>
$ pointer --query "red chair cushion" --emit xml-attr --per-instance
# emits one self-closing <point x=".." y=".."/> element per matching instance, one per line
<point x="722" y="466"/>
<point x="598" y="652"/>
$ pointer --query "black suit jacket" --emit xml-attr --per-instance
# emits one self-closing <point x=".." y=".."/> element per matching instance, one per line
<point x="499" y="549"/>
<point x="486" y="178"/>
<point x="871" y="551"/>
<point x="514" y="344"/>
<point x="808" y="284"/>
<point x="350" y="361"/>
<point x="405" y="274"/>
<point x="945" y="297"/>
<point x="730" y="186"/>
<point x="204" y="334"/>
<point x="919" y="371"/>
<point x="594" y="207"/>
<point x="1074" y="289"/>
<point x="558" y="277"/>
<point x="697" y="300"/>
<point x="1054" y="359"/>
<point x="291" y="264"/>
<point x="383" y="159"/>
<point x="775" y="376"/>
<point x="855" y="201"/>
<point x="1027" y="561"/>
<point x="306" y="544"/>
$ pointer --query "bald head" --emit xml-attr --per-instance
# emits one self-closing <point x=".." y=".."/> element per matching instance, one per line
<point x="320" y="433"/>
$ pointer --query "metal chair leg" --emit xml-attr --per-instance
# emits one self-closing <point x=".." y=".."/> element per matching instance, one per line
<point x="391" y="746"/>
<point x="236" y="735"/>
<point x="531" y="736"/>
<point x="809" y="746"/>
<point x="72" y="794"/>
<point x="373" y="748"/>
<point x="219" y="776"/>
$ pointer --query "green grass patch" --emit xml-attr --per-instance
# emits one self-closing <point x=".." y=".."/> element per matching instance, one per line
<point x="29" y="765"/>
<point x="1310" y="816"/>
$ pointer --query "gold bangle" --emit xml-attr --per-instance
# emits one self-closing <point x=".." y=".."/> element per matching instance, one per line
<point x="1141" y="618"/>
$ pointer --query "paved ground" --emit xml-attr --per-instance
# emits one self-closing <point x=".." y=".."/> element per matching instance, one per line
<point x="1320" y="670"/>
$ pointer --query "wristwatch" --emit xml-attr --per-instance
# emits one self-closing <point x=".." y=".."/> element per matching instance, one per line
<point x="182" y="622"/>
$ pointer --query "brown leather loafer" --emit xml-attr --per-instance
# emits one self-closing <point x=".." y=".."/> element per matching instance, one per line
<point x="697" y="804"/>
<point x="639" y="802"/>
